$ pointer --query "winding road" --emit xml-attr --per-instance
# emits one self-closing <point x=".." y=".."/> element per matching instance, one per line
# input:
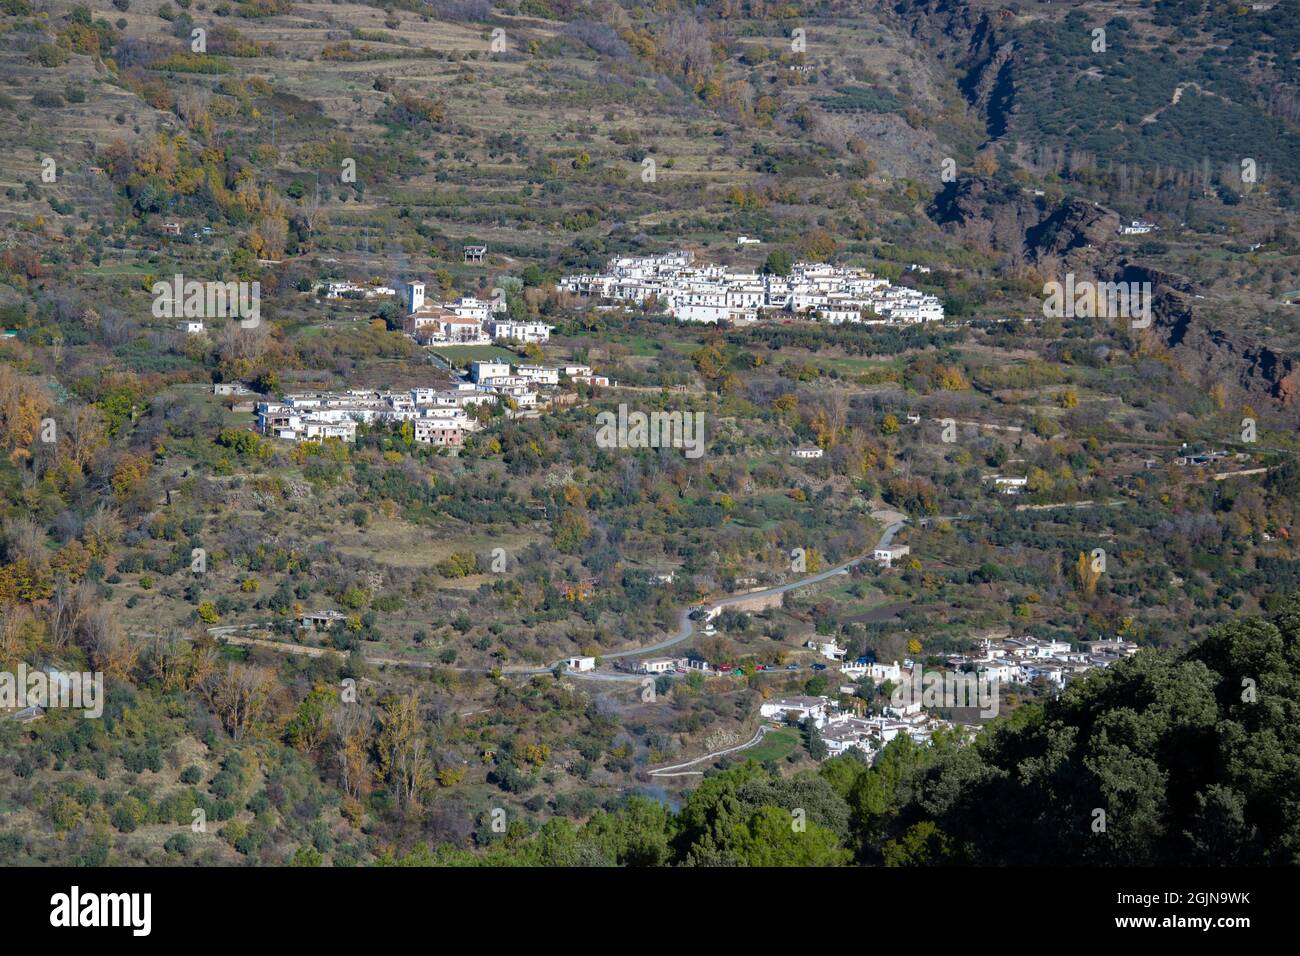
<point x="671" y="771"/>
<point x="685" y="628"/>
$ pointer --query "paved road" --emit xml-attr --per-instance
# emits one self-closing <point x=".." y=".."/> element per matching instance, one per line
<point x="685" y="626"/>
<point x="668" y="771"/>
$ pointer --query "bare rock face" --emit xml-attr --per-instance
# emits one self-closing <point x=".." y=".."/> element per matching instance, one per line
<point x="1210" y="354"/>
<point x="961" y="203"/>
<point x="1080" y="237"/>
<point x="975" y="41"/>
<point x="990" y="87"/>
<point x="1074" y="235"/>
<point x="1288" y="385"/>
<point x="1073" y="226"/>
<point x="898" y="150"/>
<point x="1078" y="233"/>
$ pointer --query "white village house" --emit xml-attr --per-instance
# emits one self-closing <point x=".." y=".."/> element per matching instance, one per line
<point x="886" y="556"/>
<point x="816" y="709"/>
<point x="827" y="649"/>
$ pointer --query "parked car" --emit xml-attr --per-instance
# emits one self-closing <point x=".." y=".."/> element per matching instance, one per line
<point x="792" y="667"/>
<point x="819" y="667"/>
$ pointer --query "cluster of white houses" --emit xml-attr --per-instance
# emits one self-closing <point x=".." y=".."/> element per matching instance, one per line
<point x="522" y="382"/>
<point x="712" y="293"/>
<point x="843" y="730"/>
<point x="466" y="321"/>
<point x="1013" y="660"/>
<point x="439" y="416"/>
<point x="1023" y="660"/>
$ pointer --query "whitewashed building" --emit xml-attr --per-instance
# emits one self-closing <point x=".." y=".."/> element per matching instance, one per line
<point x="885" y="557"/>
<point x="815" y="709"/>
<point x="526" y="332"/>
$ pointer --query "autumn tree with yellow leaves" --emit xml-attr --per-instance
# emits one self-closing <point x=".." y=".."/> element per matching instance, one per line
<point x="404" y="761"/>
<point x="1087" y="574"/>
<point x="23" y="402"/>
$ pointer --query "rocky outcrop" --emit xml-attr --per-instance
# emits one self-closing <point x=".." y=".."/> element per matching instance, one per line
<point x="1208" y="353"/>
<point x="1076" y="232"/>
<point x="961" y="203"/>
<point x="990" y="87"/>
<point x="1072" y="226"/>
<point x="1080" y="235"/>
<point x="976" y="41"/>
